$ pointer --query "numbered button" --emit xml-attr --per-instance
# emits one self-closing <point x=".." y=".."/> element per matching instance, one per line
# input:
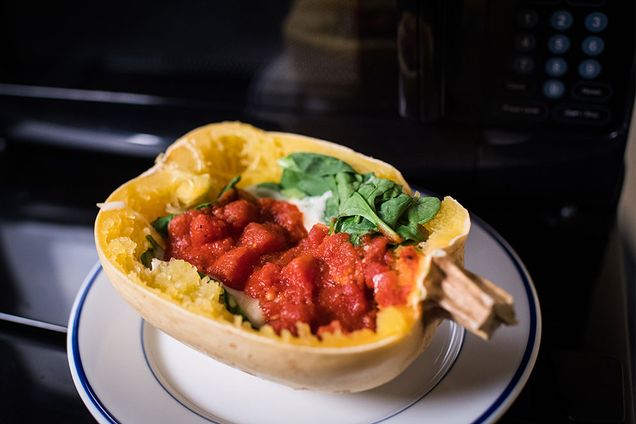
<point x="596" y="22"/>
<point x="527" y="19"/>
<point x="561" y="20"/>
<point x="556" y="67"/>
<point x="593" y="46"/>
<point x="525" y="42"/>
<point x="559" y="44"/>
<point x="553" y="89"/>
<point x="523" y="64"/>
<point x="589" y="69"/>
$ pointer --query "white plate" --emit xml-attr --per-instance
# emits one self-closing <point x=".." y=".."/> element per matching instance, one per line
<point x="127" y="371"/>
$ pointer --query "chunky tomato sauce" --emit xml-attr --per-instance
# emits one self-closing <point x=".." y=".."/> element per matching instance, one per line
<point x="261" y="246"/>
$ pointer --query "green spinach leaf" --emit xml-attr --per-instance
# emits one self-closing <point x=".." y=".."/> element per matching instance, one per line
<point x="331" y="209"/>
<point x="154" y="251"/>
<point x="161" y="224"/>
<point x="391" y="210"/>
<point x="314" y="164"/>
<point x="357" y="205"/>
<point x="423" y="210"/>
<point x="310" y="174"/>
<point x="229" y="186"/>
<point x="203" y="205"/>
<point x="373" y="189"/>
<point x="355" y="226"/>
<point x="360" y="203"/>
<point x="270" y="186"/>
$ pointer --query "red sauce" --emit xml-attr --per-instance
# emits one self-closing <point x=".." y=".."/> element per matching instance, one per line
<point x="261" y="246"/>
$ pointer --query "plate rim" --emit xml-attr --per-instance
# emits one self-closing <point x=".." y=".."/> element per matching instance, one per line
<point x="531" y="352"/>
<point x="88" y="395"/>
<point x="497" y="408"/>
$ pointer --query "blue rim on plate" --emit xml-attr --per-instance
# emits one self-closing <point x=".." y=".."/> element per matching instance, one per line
<point x="532" y="348"/>
<point x="494" y="411"/>
<point x="72" y="348"/>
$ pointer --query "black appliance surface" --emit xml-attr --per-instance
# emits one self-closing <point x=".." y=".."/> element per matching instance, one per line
<point x="480" y="99"/>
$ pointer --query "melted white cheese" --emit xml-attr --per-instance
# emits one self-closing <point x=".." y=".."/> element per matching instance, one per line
<point x="110" y="206"/>
<point x="250" y="306"/>
<point x="313" y="208"/>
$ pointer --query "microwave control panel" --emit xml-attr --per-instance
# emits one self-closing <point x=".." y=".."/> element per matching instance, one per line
<point x="566" y="63"/>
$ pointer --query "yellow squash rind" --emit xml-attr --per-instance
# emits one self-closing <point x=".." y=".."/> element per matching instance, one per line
<point x="176" y="300"/>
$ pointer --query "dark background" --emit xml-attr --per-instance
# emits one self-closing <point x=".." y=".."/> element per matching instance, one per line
<point x="90" y="93"/>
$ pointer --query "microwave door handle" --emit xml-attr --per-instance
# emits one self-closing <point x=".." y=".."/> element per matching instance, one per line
<point x="420" y="36"/>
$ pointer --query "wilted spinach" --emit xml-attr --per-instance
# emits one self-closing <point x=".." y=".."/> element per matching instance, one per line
<point x="154" y="251"/>
<point x="161" y="224"/>
<point x="360" y="203"/>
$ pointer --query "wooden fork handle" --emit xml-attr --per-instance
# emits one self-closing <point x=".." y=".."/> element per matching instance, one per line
<point x="472" y="301"/>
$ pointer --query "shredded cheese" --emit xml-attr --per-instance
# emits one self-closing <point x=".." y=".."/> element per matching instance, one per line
<point x="111" y="206"/>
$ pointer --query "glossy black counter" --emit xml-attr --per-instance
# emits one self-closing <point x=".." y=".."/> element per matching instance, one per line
<point x="35" y="380"/>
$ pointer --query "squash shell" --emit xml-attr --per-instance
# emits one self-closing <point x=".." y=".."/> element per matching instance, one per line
<point x="327" y="368"/>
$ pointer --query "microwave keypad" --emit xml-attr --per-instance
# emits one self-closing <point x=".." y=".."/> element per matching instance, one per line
<point x="557" y="60"/>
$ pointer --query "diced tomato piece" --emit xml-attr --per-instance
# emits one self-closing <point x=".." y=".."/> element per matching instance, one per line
<point x="210" y="251"/>
<point x="287" y="216"/>
<point x="178" y="235"/>
<point x="179" y="226"/>
<point x="408" y="254"/>
<point x="368" y="321"/>
<point x="293" y="311"/>
<point x="300" y="274"/>
<point x="264" y="238"/>
<point x="234" y="267"/>
<point x="332" y="327"/>
<point x="341" y="259"/>
<point x="240" y="213"/>
<point x="287" y="295"/>
<point x="316" y="235"/>
<point x="387" y="289"/>
<point x="266" y="203"/>
<point x="344" y="302"/>
<point x="193" y="257"/>
<point x="375" y="248"/>
<point x="371" y="270"/>
<point x="205" y="228"/>
<point x="263" y="283"/>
